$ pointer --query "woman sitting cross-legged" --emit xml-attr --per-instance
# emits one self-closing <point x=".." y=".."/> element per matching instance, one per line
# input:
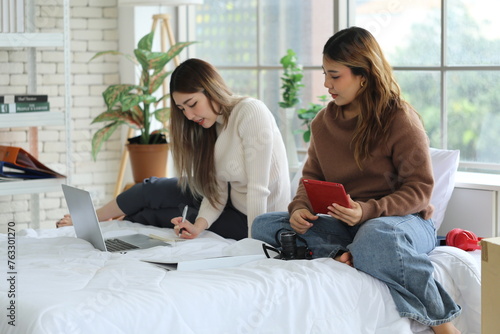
<point x="374" y="143"/>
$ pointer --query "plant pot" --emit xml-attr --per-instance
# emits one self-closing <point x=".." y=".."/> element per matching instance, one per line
<point x="148" y="160"/>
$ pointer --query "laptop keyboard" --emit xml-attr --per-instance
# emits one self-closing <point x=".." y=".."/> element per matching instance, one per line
<point x="117" y="245"/>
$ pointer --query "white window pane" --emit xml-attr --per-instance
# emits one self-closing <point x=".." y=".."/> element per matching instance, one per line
<point x="473" y="32"/>
<point x="474" y="114"/>
<point x="422" y="90"/>
<point x="303" y="26"/>
<point x="226" y="31"/>
<point x="241" y="82"/>
<point x="270" y="90"/>
<point x="407" y="30"/>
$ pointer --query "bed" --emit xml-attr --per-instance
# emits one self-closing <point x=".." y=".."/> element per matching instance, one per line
<point x="61" y="284"/>
<point x="64" y="285"/>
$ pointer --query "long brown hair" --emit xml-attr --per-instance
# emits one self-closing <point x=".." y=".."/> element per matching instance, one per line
<point x="379" y="97"/>
<point x="192" y="145"/>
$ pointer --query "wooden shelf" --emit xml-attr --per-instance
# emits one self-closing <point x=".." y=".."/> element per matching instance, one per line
<point x="25" y="40"/>
<point x="27" y="119"/>
<point x="30" y="186"/>
<point x="31" y="41"/>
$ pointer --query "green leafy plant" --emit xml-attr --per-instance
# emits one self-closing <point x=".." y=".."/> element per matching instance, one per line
<point x="308" y="114"/>
<point x="135" y="105"/>
<point x="291" y="80"/>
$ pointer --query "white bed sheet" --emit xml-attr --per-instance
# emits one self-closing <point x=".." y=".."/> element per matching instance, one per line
<point x="66" y="286"/>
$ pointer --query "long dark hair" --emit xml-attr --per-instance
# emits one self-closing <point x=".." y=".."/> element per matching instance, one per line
<point x="193" y="145"/>
<point x="379" y="97"/>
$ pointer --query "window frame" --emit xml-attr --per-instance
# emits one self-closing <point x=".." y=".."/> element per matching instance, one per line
<point x="345" y="11"/>
<point x="343" y="17"/>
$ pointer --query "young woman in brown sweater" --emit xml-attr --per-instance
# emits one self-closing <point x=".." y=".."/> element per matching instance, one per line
<point x="374" y="143"/>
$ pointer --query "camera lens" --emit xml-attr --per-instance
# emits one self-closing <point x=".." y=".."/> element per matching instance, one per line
<point x="288" y="244"/>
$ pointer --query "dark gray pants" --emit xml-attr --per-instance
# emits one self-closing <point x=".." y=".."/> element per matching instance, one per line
<point x="156" y="201"/>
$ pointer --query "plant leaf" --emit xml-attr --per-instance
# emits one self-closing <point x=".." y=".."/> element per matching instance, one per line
<point x="174" y="50"/>
<point x="162" y="115"/>
<point x="101" y="136"/>
<point x="166" y="96"/>
<point x="114" y="93"/>
<point x="157" y="80"/>
<point x="113" y="53"/>
<point x="146" y="42"/>
<point x="307" y="136"/>
<point x="132" y="119"/>
<point x="132" y="100"/>
<point x="137" y="115"/>
<point x="142" y="58"/>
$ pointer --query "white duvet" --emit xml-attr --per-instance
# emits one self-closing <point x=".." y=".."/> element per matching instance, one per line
<point x="63" y="285"/>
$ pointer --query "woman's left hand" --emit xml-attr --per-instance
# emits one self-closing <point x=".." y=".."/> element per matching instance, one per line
<point x="351" y="216"/>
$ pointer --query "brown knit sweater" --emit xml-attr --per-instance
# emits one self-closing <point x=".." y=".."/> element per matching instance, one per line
<point x="396" y="179"/>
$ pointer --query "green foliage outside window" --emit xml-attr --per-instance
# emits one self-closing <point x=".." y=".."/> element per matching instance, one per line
<point x="472" y="120"/>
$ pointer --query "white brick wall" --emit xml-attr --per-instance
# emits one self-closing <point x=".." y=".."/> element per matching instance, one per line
<point x="94" y="27"/>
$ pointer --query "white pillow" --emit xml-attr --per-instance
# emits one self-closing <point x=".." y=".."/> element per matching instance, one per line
<point x="444" y="167"/>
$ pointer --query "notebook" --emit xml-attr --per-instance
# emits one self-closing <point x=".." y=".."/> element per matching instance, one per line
<point x="87" y="226"/>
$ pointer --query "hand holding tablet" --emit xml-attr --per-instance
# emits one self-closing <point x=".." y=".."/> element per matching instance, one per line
<point x="322" y="194"/>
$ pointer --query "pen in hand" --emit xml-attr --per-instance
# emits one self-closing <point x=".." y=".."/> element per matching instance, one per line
<point x="184" y="215"/>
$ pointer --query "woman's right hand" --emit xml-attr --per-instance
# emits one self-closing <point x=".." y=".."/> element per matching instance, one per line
<point x="186" y="229"/>
<point x="300" y="220"/>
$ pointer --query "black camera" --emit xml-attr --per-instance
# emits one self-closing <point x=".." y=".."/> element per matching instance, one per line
<point x="289" y="249"/>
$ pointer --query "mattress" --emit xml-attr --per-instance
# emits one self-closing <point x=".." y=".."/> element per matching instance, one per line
<point x="64" y="285"/>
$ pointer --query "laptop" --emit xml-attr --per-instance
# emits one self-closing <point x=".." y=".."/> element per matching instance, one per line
<point x="87" y="226"/>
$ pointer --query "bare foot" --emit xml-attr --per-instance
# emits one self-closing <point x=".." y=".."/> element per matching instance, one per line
<point x="345" y="258"/>
<point x="446" y="328"/>
<point x="64" y="221"/>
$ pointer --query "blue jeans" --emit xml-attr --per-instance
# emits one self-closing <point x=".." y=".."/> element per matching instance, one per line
<point x="400" y="245"/>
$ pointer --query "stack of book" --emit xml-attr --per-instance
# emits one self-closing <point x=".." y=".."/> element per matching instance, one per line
<point x="12" y="16"/>
<point x="23" y="103"/>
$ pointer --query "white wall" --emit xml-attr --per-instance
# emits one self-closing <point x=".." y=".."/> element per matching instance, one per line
<point x="94" y="28"/>
<point x="96" y="25"/>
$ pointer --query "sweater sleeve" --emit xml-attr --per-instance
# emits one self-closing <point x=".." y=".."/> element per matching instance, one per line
<point x="413" y="181"/>
<point x="211" y="213"/>
<point x="258" y="132"/>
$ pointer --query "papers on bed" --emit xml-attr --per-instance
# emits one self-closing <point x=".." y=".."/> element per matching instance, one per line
<point x="210" y="263"/>
<point x="233" y="255"/>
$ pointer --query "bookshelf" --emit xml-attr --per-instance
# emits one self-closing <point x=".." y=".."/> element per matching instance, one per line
<point x="30" y="40"/>
<point x="32" y="119"/>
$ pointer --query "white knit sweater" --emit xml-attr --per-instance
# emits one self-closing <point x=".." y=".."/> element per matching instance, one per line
<point x="251" y="156"/>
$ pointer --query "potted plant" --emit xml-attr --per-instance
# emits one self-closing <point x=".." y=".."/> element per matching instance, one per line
<point x="291" y="80"/>
<point x="136" y="106"/>
<point x="291" y="84"/>
<point x="308" y="114"/>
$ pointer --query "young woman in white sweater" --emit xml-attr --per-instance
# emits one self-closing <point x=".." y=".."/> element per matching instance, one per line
<point x="230" y="157"/>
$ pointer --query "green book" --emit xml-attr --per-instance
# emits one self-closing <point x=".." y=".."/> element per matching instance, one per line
<point x="24" y="107"/>
<point x="24" y="98"/>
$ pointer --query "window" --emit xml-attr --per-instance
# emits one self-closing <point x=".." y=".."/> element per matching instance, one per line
<point x="245" y="40"/>
<point x="445" y="54"/>
<point x="446" y="57"/>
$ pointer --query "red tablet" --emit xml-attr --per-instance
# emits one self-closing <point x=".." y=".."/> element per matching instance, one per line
<point x="322" y="194"/>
